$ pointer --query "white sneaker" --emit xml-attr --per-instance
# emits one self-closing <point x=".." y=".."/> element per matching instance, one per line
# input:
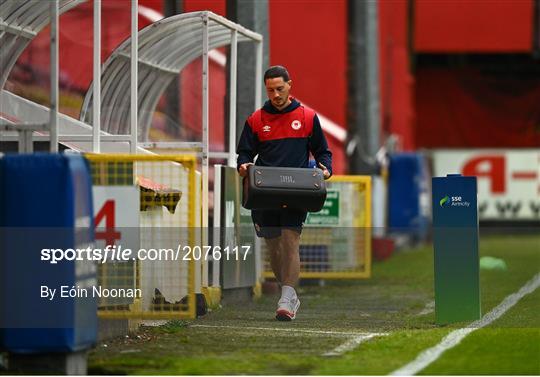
<point x="287" y="308"/>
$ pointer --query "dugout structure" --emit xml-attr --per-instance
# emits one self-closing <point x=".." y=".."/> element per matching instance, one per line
<point x="167" y="193"/>
<point x="116" y="117"/>
<point x="336" y="242"/>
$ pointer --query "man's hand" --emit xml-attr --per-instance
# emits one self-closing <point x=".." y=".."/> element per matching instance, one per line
<point x="244" y="169"/>
<point x="325" y="171"/>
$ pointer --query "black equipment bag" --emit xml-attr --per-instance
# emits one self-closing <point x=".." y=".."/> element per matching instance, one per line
<point x="276" y="187"/>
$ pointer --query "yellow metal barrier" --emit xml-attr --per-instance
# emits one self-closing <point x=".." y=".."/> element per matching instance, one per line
<point x="336" y="242"/>
<point x="166" y="187"/>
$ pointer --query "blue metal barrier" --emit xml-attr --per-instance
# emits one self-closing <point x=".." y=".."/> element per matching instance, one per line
<point x="45" y="203"/>
<point x="408" y="195"/>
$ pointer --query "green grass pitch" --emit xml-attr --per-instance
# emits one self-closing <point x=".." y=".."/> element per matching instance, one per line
<point x="245" y="339"/>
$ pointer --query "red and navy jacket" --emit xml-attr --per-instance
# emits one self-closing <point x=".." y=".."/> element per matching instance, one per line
<point x="283" y="138"/>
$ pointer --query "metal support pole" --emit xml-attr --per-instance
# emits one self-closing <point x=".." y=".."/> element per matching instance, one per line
<point x="134" y="74"/>
<point x="26" y="143"/>
<point x="363" y="98"/>
<point x="96" y="86"/>
<point x="53" y="116"/>
<point x="217" y="223"/>
<point x="232" y="99"/>
<point x="205" y="140"/>
<point x="372" y="55"/>
<point x="258" y="103"/>
<point x="172" y="94"/>
<point x="258" y="75"/>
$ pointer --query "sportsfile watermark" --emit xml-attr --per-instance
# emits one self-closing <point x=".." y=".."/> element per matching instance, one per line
<point x="49" y="267"/>
<point x="117" y="253"/>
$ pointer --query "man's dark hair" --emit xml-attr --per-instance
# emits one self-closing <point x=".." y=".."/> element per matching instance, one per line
<point x="276" y="71"/>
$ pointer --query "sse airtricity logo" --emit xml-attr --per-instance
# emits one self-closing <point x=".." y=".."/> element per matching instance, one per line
<point x="453" y="201"/>
<point x="444" y="202"/>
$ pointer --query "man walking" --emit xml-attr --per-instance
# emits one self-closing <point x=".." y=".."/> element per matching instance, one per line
<point x="282" y="133"/>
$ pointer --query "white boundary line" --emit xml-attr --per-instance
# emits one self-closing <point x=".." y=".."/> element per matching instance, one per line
<point x="454" y="338"/>
<point x="428" y="308"/>
<point x="352" y="344"/>
<point x="289" y="330"/>
<point x="354" y="338"/>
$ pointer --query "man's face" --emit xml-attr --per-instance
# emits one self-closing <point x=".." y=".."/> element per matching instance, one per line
<point x="277" y="91"/>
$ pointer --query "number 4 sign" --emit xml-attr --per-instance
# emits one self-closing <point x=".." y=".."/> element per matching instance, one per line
<point x="116" y="216"/>
<point x="107" y="214"/>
